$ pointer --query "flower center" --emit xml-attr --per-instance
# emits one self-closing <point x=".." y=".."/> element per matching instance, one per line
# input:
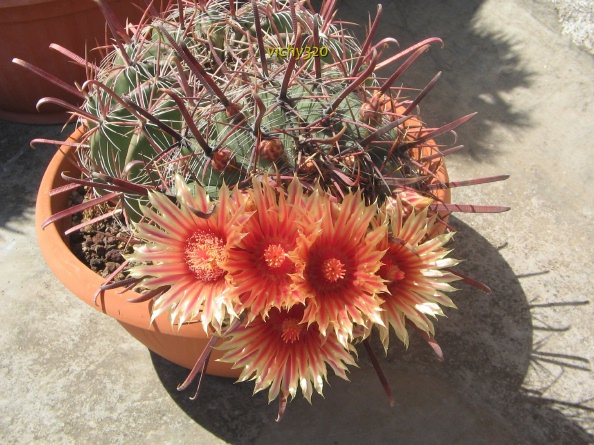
<point x="291" y="329"/>
<point x="204" y="251"/>
<point x="393" y="273"/>
<point x="333" y="270"/>
<point x="274" y="256"/>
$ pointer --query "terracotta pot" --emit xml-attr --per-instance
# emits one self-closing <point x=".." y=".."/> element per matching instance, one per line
<point x="27" y="27"/>
<point x="182" y="346"/>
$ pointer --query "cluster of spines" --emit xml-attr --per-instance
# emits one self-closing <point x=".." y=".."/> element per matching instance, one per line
<point x="195" y="91"/>
<point x="211" y="103"/>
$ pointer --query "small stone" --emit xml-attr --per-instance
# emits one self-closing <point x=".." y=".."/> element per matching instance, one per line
<point x="97" y="264"/>
<point x="98" y="238"/>
<point x="110" y="267"/>
<point x="114" y="255"/>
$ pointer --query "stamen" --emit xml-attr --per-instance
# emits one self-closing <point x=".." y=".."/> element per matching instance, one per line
<point x="333" y="270"/>
<point x="274" y="256"/>
<point x="291" y="328"/>
<point x="204" y="251"/>
<point x="394" y="273"/>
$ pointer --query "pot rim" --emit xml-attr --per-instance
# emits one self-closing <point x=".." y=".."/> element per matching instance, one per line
<point x="75" y="275"/>
<point x="83" y="282"/>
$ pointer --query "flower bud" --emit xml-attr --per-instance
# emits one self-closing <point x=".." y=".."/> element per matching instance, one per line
<point x="232" y="110"/>
<point x="271" y="149"/>
<point x="221" y="159"/>
<point x="372" y="111"/>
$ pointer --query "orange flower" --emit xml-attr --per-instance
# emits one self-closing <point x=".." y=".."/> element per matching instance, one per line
<point x="413" y="271"/>
<point x="259" y="264"/>
<point x="284" y="353"/>
<point x="337" y="271"/>
<point x="411" y="199"/>
<point x="185" y="252"/>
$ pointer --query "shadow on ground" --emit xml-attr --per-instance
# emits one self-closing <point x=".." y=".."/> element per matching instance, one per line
<point x="475" y="395"/>
<point x="21" y="170"/>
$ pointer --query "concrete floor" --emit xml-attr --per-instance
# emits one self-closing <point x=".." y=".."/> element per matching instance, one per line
<point x="518" y="363"/>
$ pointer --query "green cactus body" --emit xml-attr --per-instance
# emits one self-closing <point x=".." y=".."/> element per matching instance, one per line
<point x="284" y="99"/>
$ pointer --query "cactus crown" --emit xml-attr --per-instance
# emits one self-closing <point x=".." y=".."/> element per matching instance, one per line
<point x="220" y="93"/>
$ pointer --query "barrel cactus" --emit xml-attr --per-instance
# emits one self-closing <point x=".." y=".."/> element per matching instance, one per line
<point x="275" y="183"/>
<point x="220" y="93"/>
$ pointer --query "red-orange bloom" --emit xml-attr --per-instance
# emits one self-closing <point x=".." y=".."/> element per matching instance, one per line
<point x="185" y="252"/>
<point x="284" y="353"/>
<point x="413" y="272"/>
<point x="337" y="271"/>
<point x="259" y="265"/>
